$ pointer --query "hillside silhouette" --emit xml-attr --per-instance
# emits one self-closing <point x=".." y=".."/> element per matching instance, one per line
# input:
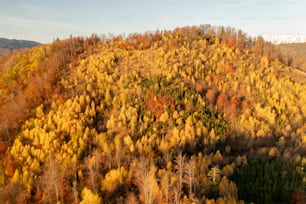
<point x="7" y="45"/>
<point x="198" y="114"/>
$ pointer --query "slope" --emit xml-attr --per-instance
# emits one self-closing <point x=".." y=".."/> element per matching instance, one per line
<point x="167" y="117"/>
<point x="295" y="53"/>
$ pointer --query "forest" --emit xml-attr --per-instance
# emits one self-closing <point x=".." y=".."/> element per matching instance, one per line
<point x="198" y="114"/>
<point x="295" y="54"/>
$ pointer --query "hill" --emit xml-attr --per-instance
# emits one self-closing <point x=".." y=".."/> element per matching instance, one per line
<point x="295" y="54"/>
<point x="7" y="45"/>
<point x="194" y="115"/>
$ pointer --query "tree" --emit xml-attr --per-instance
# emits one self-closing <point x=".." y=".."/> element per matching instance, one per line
<point x="165" y="183"/>
<point x="190" y="175"/>
<point x="88" y="197"/>
<point x="213" y="173"/>
<point x="147" y="184"/>
<point x="93" y="165"/>
<point x="180" y="170"/>
<point x="259" y="46"/>
<point x="113" y="179"/>
<point x="51" y="182"/>
<point x="227" y="188"/>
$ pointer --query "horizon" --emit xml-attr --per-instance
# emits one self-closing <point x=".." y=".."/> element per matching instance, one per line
<point x="43" y="21"/>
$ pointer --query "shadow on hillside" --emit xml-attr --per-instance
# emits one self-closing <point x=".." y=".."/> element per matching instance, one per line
<point x="242" y="144"/>
<point x="264" y="146"/>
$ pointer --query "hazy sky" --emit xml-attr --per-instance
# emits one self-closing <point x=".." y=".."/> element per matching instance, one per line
<point x="45" y="20"/>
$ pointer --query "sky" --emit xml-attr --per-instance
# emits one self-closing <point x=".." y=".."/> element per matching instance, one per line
<point x="46" y="20"/>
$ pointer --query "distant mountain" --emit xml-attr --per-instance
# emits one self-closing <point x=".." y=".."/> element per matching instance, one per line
<point x="284" y="39"/>
<point x="7" y="45"/>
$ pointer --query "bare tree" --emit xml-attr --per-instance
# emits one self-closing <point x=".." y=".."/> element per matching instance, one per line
<point x="189" y="175"/>
<point x="74" y="169"/>
<point x="147" y="183"/>
<point x="93" y="164"/>
<point x="51" y="182"/>
<point x="180" y="169"/>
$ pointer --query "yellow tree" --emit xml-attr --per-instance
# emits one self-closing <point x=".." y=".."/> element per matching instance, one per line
<point x="88" y="197"/>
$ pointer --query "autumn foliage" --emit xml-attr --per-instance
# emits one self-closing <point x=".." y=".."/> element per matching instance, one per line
<point x="182" y="116"/>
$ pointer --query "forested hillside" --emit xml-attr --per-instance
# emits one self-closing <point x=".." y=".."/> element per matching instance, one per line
<point x="295" y="54"/>
<point x="194" y="115"/>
